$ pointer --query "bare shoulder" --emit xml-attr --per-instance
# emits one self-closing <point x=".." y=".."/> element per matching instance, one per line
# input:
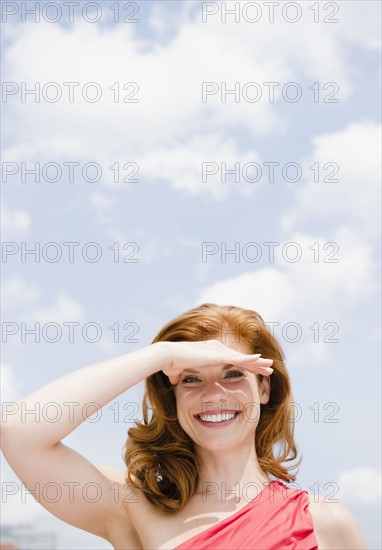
<point x="334" y="525"/>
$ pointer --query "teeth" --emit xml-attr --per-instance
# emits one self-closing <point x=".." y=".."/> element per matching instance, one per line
<point x="217" y="417"/>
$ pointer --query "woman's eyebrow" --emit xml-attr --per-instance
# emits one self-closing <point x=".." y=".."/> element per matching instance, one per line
<point x="196" y="371"/>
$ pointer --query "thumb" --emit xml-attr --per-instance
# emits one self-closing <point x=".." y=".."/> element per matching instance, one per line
<point x="174" y="379"/>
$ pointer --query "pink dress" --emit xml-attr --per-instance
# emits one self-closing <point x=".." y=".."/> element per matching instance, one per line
<point x="278" y="518"/>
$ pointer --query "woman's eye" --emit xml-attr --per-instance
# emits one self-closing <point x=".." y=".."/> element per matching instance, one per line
<point x="188" y="379"/>
<point x="234" y="374"/>
<point x="230" y="374"/>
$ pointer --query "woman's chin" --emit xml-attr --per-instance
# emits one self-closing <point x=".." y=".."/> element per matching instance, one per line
<point x="215" y="444"/>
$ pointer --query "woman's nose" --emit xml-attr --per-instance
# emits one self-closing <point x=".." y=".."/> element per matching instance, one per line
<point x="214" y="390"/>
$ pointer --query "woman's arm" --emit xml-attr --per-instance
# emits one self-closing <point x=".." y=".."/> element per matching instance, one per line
<point x="63" y="481"/>
<point x="335" y="526"/>
<point x="71" y="395"/>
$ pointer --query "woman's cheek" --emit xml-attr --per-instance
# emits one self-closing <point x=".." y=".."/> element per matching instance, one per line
<point x="251" y="413"/>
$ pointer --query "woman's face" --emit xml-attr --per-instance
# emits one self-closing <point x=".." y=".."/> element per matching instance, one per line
<point x="219" y="406"/>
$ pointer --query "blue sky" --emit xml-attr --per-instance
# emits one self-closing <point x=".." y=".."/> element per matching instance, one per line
<point x="326" y="300"/>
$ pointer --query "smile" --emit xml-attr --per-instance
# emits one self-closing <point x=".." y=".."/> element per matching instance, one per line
<point x="216" y="420"/>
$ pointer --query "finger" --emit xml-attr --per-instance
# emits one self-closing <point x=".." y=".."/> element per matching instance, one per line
<point x="263" y="362"/>
<point x="174" y="379"/>
<point x="255" y="360"/>
<point x="266" y="371"/>
<point x="260" y="366"/>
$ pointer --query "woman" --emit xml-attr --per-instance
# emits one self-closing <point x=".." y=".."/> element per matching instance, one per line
<point x="199" y="465"/>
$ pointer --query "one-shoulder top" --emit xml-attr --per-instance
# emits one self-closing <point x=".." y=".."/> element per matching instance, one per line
<point x="278" y="518"/>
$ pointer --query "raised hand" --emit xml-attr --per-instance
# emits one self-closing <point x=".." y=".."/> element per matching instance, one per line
<point x="183" y="355"/>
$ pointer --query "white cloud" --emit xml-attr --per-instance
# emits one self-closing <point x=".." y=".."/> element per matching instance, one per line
<point x="63" y="309"/>
<point x="268" y="291"/>
<point x="163" y="76"/>
<point x="304" y="292"/>
<point x="164" y="19"/>
<point x="24" y="299"/>
<point x="356" y="197"/>
<point x="15" y="223"/>
<point x="184" y="164"/>
<point x="287" y="287"/>
<point x="344" y="283"/>
<point x="17" y="293"/>
<point x="361" y="486"/>
<point x="163" y="124"/>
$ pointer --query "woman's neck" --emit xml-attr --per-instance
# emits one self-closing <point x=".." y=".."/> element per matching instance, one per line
<point x="225" y="475"/>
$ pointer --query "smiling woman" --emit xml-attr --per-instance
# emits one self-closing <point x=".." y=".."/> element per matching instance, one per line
<point x="217" y="423"/>
<point x="171" y="438"/>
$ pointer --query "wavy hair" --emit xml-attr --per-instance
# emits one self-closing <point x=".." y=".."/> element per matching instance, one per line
<point x="161" y="458"/>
